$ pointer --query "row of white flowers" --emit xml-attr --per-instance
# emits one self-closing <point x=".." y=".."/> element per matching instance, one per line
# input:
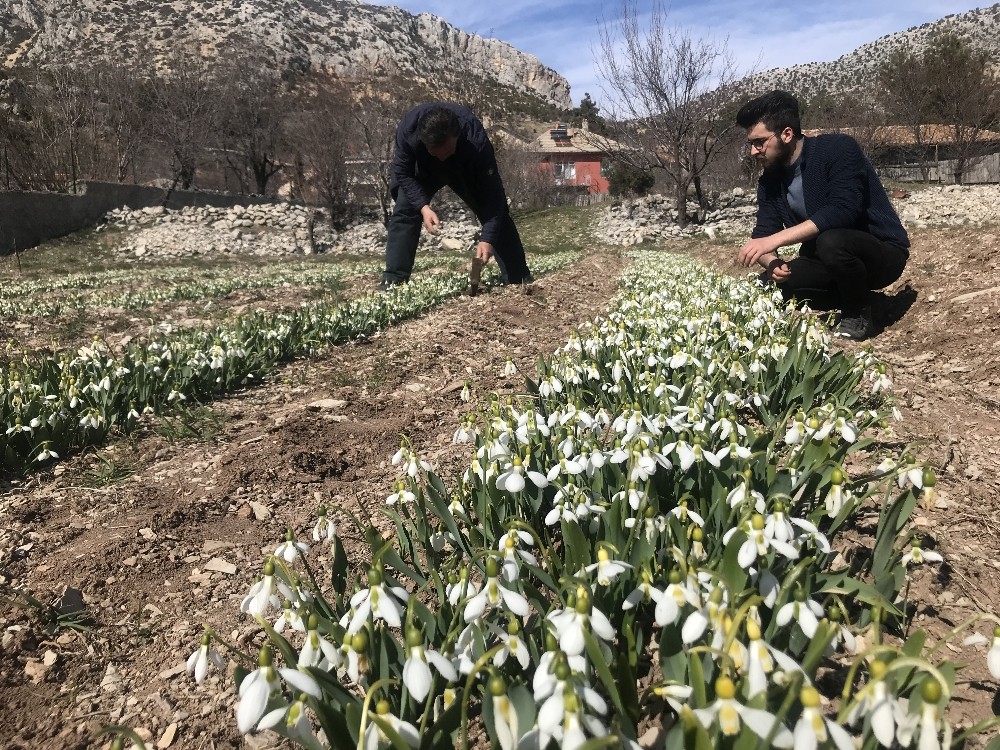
<point x="149" y="287"/>
<point x="647" y="537"/>
<point x="53" y="405"/>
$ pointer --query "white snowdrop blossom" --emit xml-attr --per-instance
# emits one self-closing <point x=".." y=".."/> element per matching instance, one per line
<point x="417" y="668"/>
<point x="731" y="715"/>
<point x="289" y="549"/>
<point x="493" y="595"/>
<point x="512" y="478"/>
<point x="379" y="601"/>
<point x="205" y="655"/>
<point x="571" y="623"/>
<point x="606" y="568"/>
<point x="813" y="729"/>
<point x="325" y="529"/>
<point x="916" y="556"/>
<point x="375" y="738"/>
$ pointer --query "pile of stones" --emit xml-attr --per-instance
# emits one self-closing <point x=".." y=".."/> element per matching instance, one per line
<point x="948" y="205"/>
<point x="267" y="229"/>
<point x="652" y="218"/>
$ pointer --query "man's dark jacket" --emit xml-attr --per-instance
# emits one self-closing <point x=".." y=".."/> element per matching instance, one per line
<point x="471" y="171"/>
<point x="841" y="191"/>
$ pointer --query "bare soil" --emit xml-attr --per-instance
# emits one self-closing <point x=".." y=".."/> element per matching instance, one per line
<point x="139" y="526"/>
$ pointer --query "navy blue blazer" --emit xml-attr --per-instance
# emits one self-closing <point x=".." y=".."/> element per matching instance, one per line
<point x="841" y="191"/>
<point x="471" y="171"/>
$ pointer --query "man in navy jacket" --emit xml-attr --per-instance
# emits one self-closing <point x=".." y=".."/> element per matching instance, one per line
<point x="824" y="193"/>
<point x="440" y="144"/>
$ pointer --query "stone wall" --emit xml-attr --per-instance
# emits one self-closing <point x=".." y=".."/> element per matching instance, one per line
<point x="28" y="219"/>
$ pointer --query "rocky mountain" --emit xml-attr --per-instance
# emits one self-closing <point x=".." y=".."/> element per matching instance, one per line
<point x="980" y="27"/>
<point x="341" y="37"/>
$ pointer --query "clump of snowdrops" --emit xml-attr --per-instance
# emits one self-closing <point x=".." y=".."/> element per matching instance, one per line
<point x="54" y="405"/>
<point x="647" y="536"/>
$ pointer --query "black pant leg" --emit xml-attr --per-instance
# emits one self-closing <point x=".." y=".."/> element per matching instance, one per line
<point x="401" y="245"/>
<point x="844" y="263"/>
<point x="508" y="248"/>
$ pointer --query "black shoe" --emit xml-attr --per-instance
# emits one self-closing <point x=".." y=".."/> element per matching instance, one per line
<point x="385" y="285"/>
<point x="856" y="327"/>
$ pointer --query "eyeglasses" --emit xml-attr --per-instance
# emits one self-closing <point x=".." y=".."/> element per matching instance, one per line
<point x="759" y="143"/>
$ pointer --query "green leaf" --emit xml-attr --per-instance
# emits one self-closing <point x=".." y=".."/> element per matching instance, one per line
<point x="607" y="679"/>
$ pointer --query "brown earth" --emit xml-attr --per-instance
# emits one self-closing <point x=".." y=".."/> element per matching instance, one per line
<point x="138" y="527"/>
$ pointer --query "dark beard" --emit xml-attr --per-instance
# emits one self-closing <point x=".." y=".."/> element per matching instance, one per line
<point x="782" y="152"/>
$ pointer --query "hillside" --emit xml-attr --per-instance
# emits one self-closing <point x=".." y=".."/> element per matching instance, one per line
<point x="980" y="27"/>
<point x="341" y="37"/>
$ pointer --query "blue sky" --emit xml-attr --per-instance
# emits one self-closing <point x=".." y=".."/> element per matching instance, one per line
<point x="563" y="34"/>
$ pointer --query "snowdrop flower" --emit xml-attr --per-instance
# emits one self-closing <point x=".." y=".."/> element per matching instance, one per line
<point x="757" y="542"/>
<point x="325" y="529"/>
<point x="930" y="718"/>
<point x="198" y="662"/>
<point x="401" y="495"/>
<point x="606" y="568"/>
<point x="566" y="467"/>
<point x="416" y="669"/>
<point x="377" y="600"/>
<point x="493" y="594"/>
<point x="46" y="452"/>
<point x="509" y="369"/>
<point x="297" y="723"/>
<point x="264" y="593"/>
<point x="290" y="549"/>
<point x="513" y="644"/>
<point x="258" y="686"/>
<point x="675" y="596"/>
<point x="550" y="386"/>
<point x="466" y="394"/>
<point x="505" y="722"/>
<point x="644" y="592"/>
<point x="512" y="480"/>
<point x="459" y="586"/>
<point x="512" y="557"/>
<point x="375" y="738"/>
<point x="731" y="715"/>
<point x="571" y="623"/>
<point x="875" y="704"/>
<point x="318" y="651"/>
<point x="803" y="611"/>
<point x="916" y="555"/>
<point x="466" y="431"/>
<point x="813" y="729"/>
<point x="993" y="656"/>
<point x="685" y="514"/>
<point x="411" y="463"/>
<point x="290" y="616"/>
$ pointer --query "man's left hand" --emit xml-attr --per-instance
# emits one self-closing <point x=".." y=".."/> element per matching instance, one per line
<point x="755" y="250"/>
<point x="484" y="251"/>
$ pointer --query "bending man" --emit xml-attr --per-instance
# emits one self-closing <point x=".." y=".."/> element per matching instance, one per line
<point x="442" y="144"/>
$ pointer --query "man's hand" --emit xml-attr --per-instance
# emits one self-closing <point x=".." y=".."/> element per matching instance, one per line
<point x="431" y="221"/>
<point x="755" y="250"/>
<point x="780" y="273"/>
<point x="485" y="251"/>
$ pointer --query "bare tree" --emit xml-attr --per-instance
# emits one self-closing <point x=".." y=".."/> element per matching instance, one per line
<point x="320" y="138"/>
<point x="902" y="82"/>
<point x="252" y="118"/>
<point x="671" y="97"/>
<point x="965" y="96"/>
<point x="375" y="112"/>
<point x="185" y="101"/>
<point x="950" y="84"/>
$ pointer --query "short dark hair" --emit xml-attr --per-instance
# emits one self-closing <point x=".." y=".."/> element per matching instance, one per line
<point x="777" y="110"/>
<point x="436" y="125"/>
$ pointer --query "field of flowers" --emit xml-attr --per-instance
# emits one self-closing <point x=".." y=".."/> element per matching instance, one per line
<point x="61" y="403"/>
<point x="645" y="543"/>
